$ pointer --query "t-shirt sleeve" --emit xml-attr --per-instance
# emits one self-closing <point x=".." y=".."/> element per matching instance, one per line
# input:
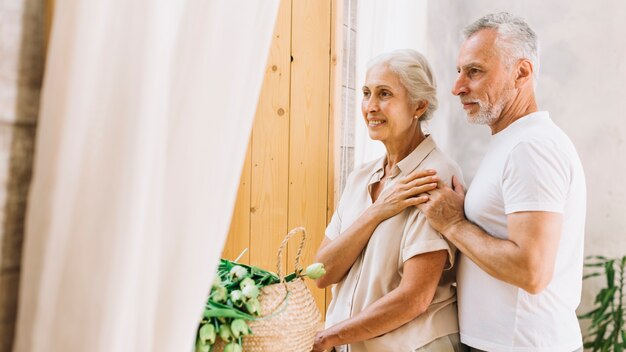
<point x="421" y="238"/>
<point x="333" y="230"/>
<point x="334" y="227"/>
<point x="536" y="177"/>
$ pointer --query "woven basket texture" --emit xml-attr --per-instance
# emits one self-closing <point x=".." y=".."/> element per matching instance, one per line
<point x="291" y="317"/>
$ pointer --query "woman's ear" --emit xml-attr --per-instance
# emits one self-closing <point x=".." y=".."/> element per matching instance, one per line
<point x="421" y="108"/>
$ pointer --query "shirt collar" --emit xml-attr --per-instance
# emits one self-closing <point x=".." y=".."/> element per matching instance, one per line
<point x="520" y="123"/>
<point x="406" y="165"/>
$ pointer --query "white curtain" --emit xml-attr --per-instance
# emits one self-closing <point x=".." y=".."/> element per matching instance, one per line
<point x="383" y="26"/>
<point x="146" y="111"/>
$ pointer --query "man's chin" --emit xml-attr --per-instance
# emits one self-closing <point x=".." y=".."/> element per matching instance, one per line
<point x="474" y="119"/>
<point x="479" y="119"/>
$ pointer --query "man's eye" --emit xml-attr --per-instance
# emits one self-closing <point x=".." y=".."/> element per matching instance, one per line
<point x="366" y="94"/>
<point x="473" y="71"/>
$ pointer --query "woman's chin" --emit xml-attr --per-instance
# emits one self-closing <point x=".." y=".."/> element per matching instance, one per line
<point x="374" y="135"/>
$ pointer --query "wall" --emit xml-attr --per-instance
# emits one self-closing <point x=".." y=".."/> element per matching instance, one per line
<point x="288" y="177"/>
<point x="582" y="83"/>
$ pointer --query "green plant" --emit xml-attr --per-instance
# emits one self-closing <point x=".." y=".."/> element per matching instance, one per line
<point x="233" y="301"/>
<point x="607" y="332"/>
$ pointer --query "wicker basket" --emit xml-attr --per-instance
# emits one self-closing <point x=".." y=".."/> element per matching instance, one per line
<point x="290" y="315"/>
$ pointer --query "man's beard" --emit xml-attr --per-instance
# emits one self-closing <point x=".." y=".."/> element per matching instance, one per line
<point x="489" y="113"/>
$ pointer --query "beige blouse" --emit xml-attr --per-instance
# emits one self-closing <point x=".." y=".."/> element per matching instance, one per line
<point x="378" y="270"/>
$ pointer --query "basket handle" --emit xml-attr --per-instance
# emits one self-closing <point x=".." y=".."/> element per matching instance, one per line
<point x="282" y="247"/>
<point x="283" y="304"/>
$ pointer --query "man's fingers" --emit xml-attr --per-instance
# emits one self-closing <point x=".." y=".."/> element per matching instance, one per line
<point x="457" y="186"/>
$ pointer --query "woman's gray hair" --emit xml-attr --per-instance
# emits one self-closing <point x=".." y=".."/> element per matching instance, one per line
<point x="515" y="37"/>
<point x="415" y="75"/>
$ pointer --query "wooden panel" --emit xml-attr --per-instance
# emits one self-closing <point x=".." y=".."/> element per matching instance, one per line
<point x="239" y="234"/>
<point x="308" y="165"/>
<point x="48" y="12"/>
<point x="270" y="150"/>
<point x="336" y="50"/>
<point x="288" y="177"/>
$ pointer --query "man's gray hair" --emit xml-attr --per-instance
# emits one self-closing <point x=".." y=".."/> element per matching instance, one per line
<point x="414" y="73"/>
<point x="515" y="37"/>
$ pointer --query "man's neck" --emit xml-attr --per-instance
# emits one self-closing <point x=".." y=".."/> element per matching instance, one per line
<point x="519" y="107"/>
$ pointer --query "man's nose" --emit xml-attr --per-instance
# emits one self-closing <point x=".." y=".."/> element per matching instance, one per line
<point x="460" y="87"/>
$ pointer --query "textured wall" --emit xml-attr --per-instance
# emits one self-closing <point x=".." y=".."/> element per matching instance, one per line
<point x="582" y="83"/>
<point x="21" y="67"/>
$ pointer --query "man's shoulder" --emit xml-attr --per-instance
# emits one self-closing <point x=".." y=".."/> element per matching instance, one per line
<point x="543" y="132"/>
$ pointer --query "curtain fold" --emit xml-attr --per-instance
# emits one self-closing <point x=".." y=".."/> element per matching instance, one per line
<point x="146" y="112"/>
<point x="383" y="28"/>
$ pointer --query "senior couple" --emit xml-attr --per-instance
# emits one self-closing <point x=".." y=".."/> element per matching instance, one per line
<point x="406" y="242"/>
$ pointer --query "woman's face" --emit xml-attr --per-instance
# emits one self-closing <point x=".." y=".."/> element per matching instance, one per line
<point x="386" y="107"/>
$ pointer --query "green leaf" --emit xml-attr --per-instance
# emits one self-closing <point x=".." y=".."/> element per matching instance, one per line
<point x="610" y="273"/>
<point x="591" y="275"/>
<point x="290" y="277"/>
<point x="588" y="315"/>
<point x="218" y="310"/>
<point x="598" y="257"/>
<point x="606" y="345"/>
<point x="609" y="296"/>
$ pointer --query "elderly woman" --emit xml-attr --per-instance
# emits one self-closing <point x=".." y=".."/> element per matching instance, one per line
<point x="392" y="272"/>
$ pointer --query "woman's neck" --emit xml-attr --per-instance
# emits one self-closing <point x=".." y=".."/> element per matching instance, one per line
<point x="398" y="151"/>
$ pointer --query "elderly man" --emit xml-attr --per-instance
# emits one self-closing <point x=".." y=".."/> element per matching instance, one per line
<point x="521" y="225"/>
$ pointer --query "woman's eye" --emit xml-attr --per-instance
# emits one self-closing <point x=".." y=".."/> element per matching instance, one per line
<point x="385" y="93"/>
<point x="366" y="94"/>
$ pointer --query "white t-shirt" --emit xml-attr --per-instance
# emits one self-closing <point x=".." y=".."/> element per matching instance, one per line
<point x="529" y="166"/>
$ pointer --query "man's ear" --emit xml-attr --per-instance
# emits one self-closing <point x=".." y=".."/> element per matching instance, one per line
<point x="523" y="73"/>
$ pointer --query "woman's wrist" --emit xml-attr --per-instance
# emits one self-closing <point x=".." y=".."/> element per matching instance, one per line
<point x="373" y="214"/>
<point x="325" y="340"/>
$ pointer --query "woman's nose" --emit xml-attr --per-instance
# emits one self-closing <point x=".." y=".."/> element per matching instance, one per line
<point x="372" y="104"/>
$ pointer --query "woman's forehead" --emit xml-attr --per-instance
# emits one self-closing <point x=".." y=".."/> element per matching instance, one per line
<point x="381" y="75"/>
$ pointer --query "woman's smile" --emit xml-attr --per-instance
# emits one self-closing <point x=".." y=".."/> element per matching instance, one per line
<point x="375" y="123"/>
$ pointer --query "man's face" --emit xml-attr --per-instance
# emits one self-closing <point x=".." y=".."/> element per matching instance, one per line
<point x="485" y="85"/>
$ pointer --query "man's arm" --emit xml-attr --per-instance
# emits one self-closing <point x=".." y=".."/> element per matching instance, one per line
<point x="339" y="254"/>
<point x="526" y="259"/>
<point x="410" y="299"/>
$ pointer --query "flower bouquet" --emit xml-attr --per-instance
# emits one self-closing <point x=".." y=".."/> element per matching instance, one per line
<point x="264" y="307"/>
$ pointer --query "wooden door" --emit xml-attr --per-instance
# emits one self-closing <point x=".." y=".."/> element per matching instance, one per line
<point x="287" y="179"/>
